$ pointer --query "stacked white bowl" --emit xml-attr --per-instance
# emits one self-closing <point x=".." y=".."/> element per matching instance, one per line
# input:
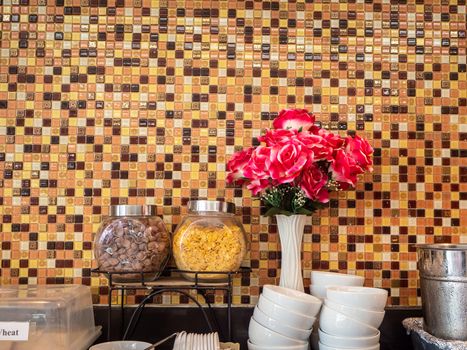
<point x="350" y="318"/>
<point x="282" y="319"/>
<point x="320" y="280"/>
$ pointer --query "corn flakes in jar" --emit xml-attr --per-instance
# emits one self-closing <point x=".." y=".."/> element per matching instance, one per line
<point x="209" y="239"/>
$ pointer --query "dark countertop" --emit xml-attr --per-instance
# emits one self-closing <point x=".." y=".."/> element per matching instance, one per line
<point x="160" y="321"/>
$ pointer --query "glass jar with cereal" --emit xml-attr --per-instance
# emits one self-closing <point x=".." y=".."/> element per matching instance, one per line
<point x="132" y="239"/>
<point x="209" y="239"/>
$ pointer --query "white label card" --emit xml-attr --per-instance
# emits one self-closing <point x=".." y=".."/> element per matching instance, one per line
<point x="14" y="331"/>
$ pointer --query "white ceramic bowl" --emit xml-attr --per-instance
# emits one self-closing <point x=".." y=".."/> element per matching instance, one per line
<point x="348" y="342"/>
<point x="326" y="347"/>
<point x="279" y="327"/>
<point x="289" y="318"/>
<point x="318" y="291"/>
<point x="371" y="318"/>
<point x="335" y="323"/>
<point x="252" y="346"/>
<point x="293" y="299"/>
<point x="263" y="336"/>
<point x="121" y="345"/>
<point x="325" y="278"/>
<point x="362" y="297"/>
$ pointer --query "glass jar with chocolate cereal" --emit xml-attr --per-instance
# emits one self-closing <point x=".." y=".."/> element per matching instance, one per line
<point x="132" y="243"/>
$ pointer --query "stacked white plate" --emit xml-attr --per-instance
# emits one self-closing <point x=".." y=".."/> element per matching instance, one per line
<point x="320" y="280"/>
<point x="194" y="341"/>
<point x="282" y="319"/>
<point x="350" y="318"/>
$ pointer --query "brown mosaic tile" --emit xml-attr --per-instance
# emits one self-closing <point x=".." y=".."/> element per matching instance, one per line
<point x="113" y="102"/>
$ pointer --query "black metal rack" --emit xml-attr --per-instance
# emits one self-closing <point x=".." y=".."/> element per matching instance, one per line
<point x="170" y="281"/>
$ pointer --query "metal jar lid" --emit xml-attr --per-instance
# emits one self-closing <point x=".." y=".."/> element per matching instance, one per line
<point x="132" y="210"/>
<point x="216" y="206"/>
<point x="441" y="246"/>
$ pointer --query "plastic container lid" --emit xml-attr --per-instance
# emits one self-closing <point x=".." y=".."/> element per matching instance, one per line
<point x="59" y="317"/>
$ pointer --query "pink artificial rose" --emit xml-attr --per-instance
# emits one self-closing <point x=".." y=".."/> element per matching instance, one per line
<point x="344" y="170"/>
<point x="319" y="148"/>
<point x="313" y="183"/>
<point x="287" y="161"/>
<point x="258" y="185"/>
<point x="274" y="136"/>
<point x="334" y="140"/>
<point x="294" y="119"/>
<point x="237" y="164"/>
<point x="360" y="150"/>
<point x="258" y="164"/>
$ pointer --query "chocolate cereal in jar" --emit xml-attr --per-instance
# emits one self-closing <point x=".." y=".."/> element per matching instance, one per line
<point x="132" y="239"/>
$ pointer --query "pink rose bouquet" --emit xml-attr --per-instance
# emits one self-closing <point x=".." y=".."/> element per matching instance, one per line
<point x="298" y="164"/>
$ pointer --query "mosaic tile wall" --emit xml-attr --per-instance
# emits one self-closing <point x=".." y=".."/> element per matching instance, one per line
<point x="111" y="101"/>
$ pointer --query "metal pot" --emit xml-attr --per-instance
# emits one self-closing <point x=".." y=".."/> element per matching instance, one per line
<point x="443" y="283"/>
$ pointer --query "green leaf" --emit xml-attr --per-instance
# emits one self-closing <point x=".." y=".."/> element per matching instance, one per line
<point x="318" y="205"/>
<point x="277" y="211"/>
<point x="304" y="211"/>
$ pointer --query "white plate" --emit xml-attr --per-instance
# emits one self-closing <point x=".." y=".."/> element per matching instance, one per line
<point x="203" y="342"/>
<point x="183" y="341"/>
<point x="210" y="342"/>
<point x="177" y="342"/>
<point x="193" y="340"/>
<point x="121" y="345"/>
<point x="189" y="342"/>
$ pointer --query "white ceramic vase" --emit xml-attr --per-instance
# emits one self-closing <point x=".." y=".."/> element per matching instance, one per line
<point x="291" y="230"/>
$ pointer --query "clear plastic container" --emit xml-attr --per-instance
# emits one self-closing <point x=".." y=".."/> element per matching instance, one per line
<point x="132" y="239"/>
<point x="209" y="239"/>
<point x="59" y="317"/>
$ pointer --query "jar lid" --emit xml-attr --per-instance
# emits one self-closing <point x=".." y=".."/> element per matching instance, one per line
<point x="205" y="205"/>
<point x="132" y="210"/>
<point x="441" y="246"/>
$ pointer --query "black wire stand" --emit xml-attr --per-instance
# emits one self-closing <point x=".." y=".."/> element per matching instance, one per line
<point x="172" y="282"/>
